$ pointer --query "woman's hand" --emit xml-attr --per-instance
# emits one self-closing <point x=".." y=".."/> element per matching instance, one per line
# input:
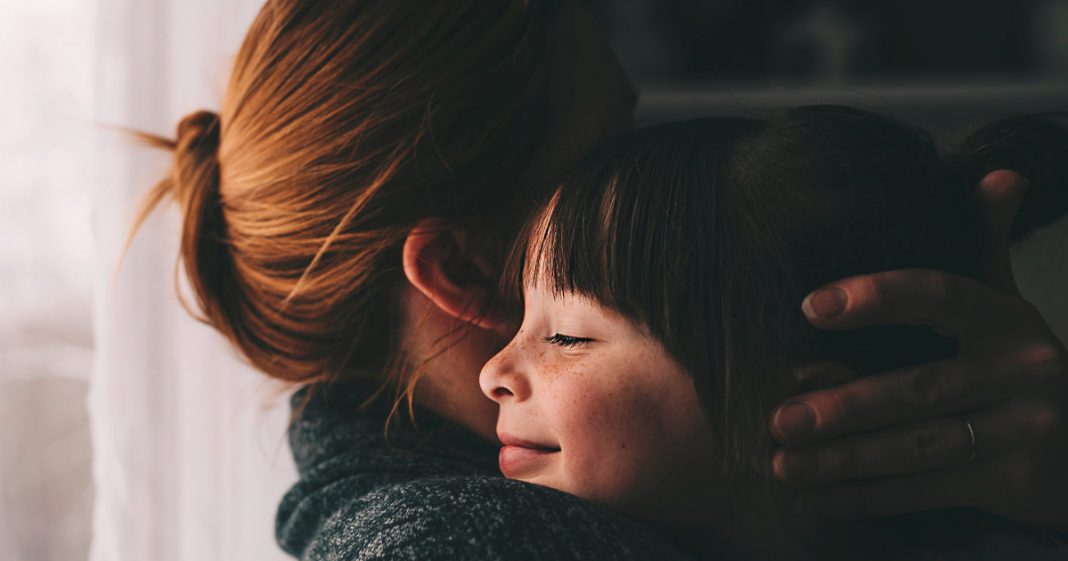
<point x="985" y="430"/>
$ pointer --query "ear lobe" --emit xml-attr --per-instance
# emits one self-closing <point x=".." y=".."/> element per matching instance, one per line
<point x="439" y="263"/>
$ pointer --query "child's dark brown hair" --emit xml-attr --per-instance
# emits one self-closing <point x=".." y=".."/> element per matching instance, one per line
<point x="710" y="232"/>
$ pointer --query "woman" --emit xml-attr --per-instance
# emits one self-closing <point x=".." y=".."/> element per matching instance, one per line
<point x="345" y="217"/>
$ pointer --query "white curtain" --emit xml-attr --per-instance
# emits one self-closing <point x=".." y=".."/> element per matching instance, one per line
<point x="190" y="457"/>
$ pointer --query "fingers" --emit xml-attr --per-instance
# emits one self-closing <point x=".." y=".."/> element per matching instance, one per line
<point x="913" y="393"/>
<point x="917" y="447"/>
<point x="952" y="305"/>
<point x="903" y="450"/>
<point x="999" y="196"/>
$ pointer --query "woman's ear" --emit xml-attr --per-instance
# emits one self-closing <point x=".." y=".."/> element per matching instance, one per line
<point x="442" y="263"/>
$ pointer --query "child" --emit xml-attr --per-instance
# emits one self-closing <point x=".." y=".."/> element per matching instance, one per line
<point x="659" y="285"/>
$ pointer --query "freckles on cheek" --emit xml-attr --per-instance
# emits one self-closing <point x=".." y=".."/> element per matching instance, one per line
<point x="631" y="423"/>
<point x="608" y="419"/>
<point x="608" y="461"/>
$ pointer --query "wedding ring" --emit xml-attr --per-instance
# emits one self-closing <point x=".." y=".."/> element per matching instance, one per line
<point x="971" y="437"/>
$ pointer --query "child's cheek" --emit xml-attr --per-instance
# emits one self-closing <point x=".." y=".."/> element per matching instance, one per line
<point x="610" y="427"/>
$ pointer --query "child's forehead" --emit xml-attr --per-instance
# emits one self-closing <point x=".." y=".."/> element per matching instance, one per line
<point x="544" y="297"/>
<point x="543" y="290"/>
<point x="541" y="284"/>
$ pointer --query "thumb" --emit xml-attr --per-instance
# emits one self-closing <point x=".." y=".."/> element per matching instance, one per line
<point x="999" y="196"/>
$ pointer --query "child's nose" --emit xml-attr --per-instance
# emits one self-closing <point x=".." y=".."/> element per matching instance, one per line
<point x="501" y="380"/>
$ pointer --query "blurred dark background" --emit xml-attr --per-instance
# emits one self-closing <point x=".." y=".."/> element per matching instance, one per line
<point x="945" y="63"/>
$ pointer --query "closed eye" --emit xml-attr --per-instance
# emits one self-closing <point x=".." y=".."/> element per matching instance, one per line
<point x="567" y="341"/>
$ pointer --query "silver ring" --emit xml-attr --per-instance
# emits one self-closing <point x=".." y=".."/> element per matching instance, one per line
<point x="971" y="437"/>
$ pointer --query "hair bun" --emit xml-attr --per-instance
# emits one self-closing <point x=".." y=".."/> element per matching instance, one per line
<point x="195" y="182"/>
<point x="198" y="127"/>
<point x="196" y="166"/>
<point x="198" y="137"/>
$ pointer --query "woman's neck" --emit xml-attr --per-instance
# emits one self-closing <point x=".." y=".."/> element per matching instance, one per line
<point x="448" y="355"/>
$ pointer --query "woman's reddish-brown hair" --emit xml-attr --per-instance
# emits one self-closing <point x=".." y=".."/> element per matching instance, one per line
<point x="345" y="123"/>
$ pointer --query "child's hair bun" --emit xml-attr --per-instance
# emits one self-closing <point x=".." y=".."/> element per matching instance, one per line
<point x="1034" y="145"/>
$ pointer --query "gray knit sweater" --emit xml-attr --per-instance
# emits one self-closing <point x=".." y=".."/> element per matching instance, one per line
<point x="432" y="494"/>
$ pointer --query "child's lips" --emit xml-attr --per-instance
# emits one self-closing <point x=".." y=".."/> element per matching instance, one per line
<point x="521" y="458"/>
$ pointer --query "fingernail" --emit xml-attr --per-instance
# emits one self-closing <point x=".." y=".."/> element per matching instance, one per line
<point x="795" y="420"/>
<point x="797" y="468"/>
<point x="825" y="303"/>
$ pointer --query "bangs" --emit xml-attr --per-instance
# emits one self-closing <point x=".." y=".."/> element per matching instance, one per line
<point x="634" y="229"/>
<point x="587" y="240"/>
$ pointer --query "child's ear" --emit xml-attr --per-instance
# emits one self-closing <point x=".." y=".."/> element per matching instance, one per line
<point x="441" y="261"/>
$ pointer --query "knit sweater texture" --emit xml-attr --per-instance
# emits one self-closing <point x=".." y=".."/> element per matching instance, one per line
<point x="432" y="492"/>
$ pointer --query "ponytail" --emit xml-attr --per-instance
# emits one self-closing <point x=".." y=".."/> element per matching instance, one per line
<point x="193" y="183"/>
<point x="1036" y="146"/>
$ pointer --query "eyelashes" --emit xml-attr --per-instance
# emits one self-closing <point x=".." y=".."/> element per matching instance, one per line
<point x="567" y="341"/>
